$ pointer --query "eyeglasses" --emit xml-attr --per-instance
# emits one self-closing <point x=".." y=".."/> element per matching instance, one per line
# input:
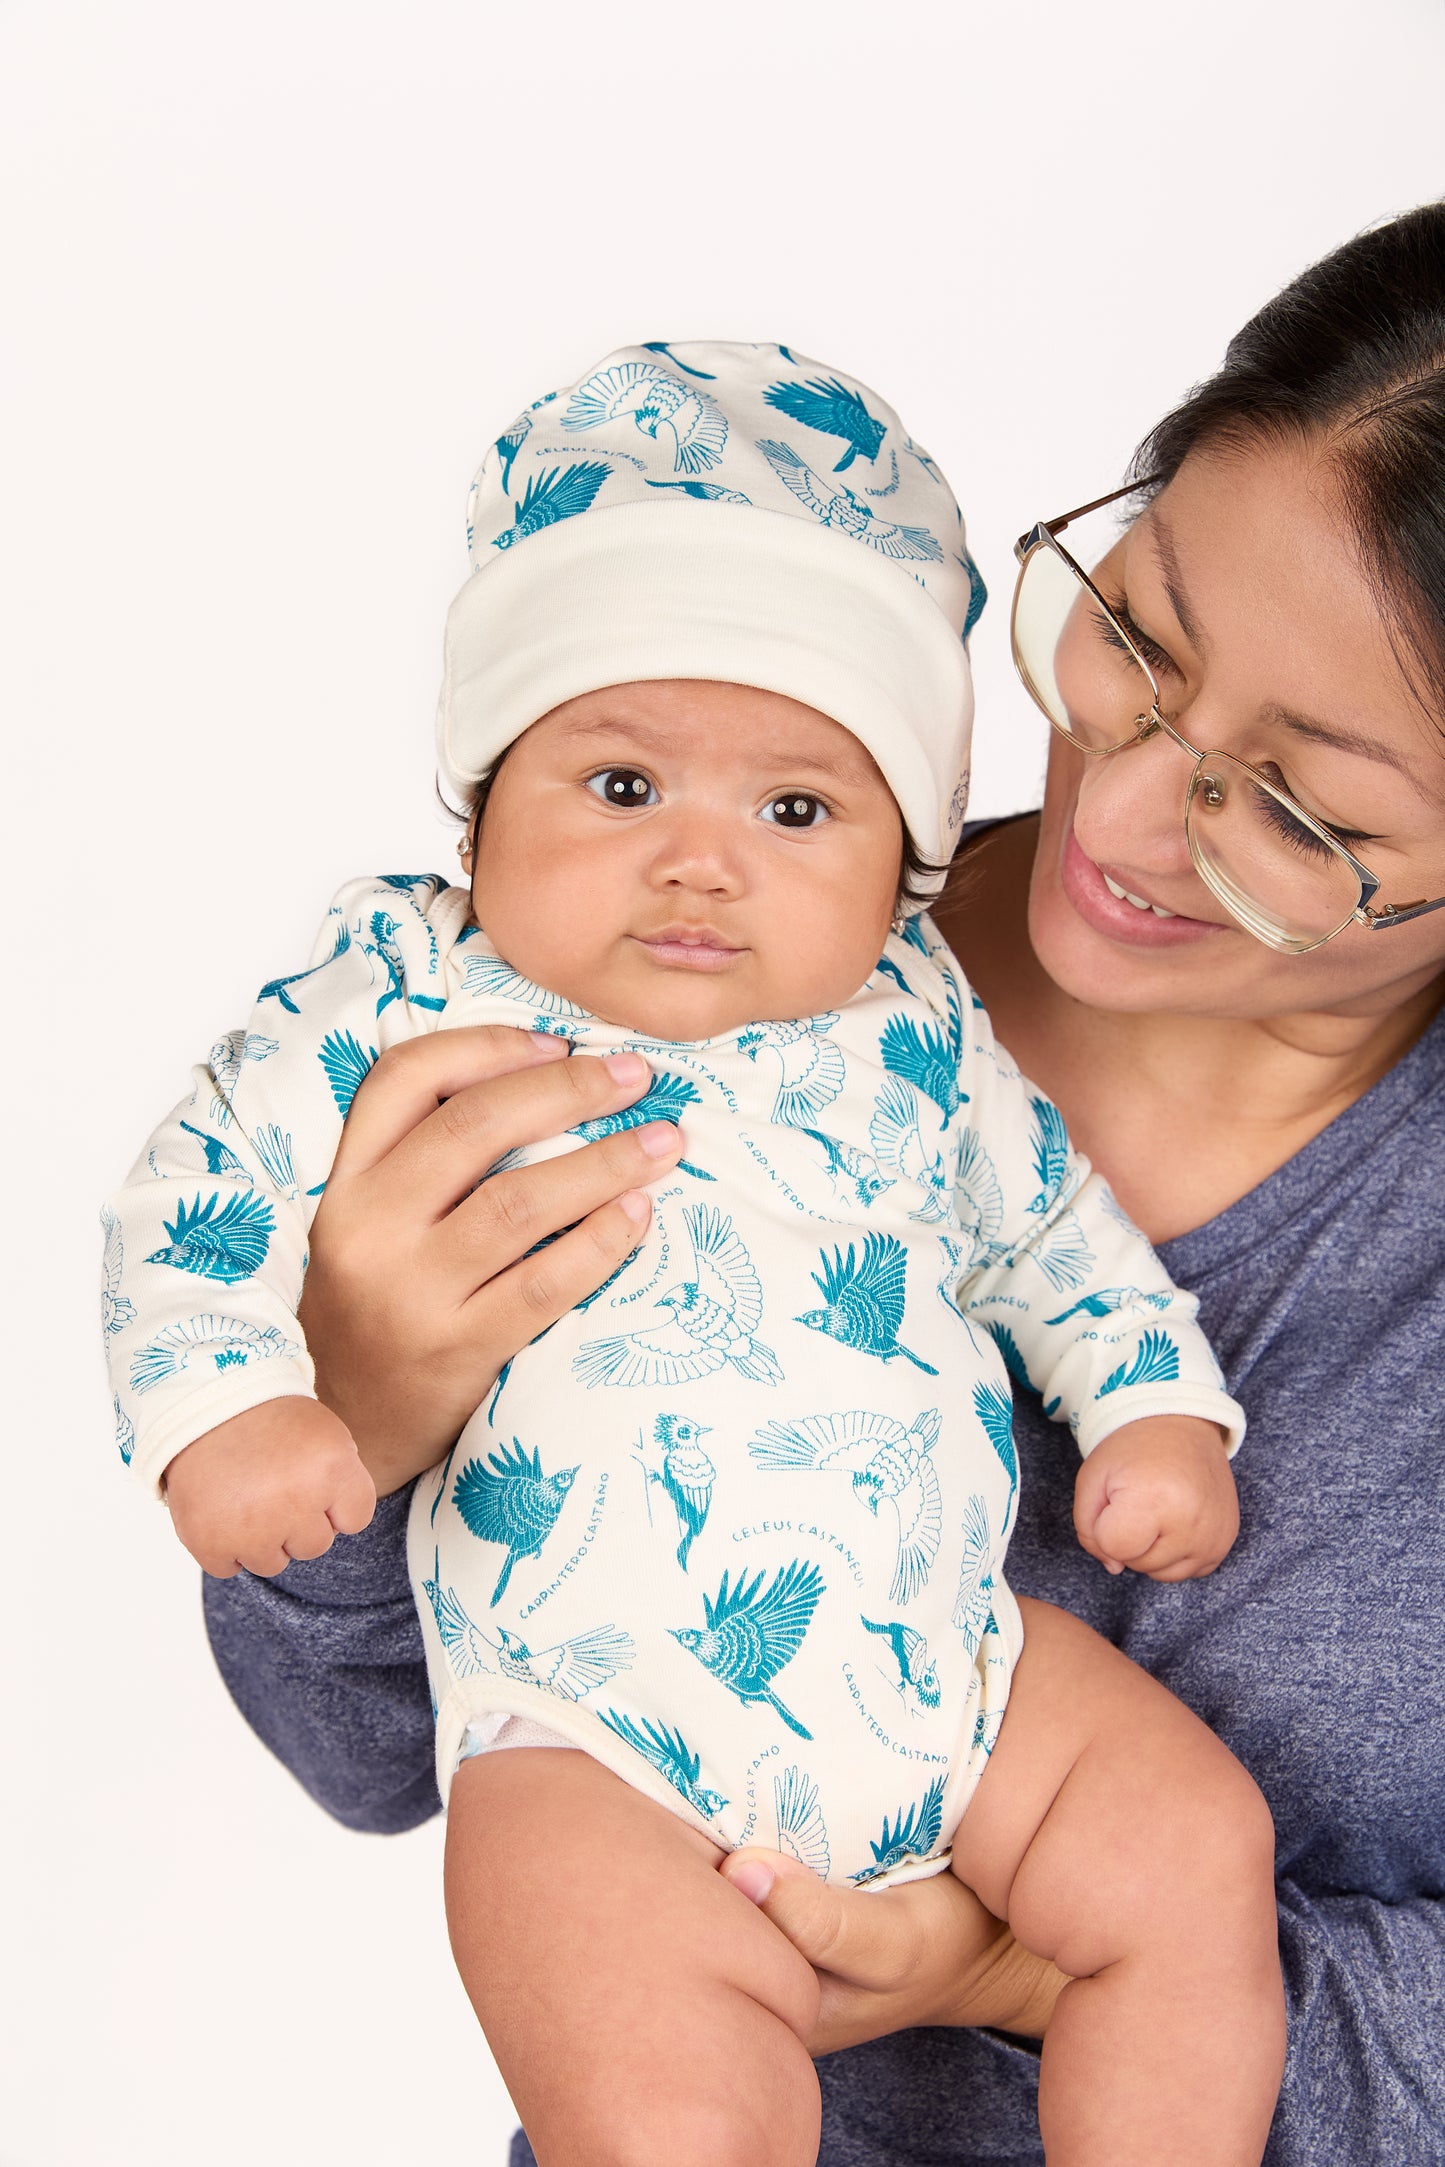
<point x="1277" y="870"/>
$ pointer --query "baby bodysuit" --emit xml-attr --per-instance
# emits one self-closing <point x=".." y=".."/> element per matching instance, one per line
<point x="736" y="1524"/>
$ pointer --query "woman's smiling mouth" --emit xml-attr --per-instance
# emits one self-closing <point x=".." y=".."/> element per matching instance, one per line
<point x="1110" y="908"/>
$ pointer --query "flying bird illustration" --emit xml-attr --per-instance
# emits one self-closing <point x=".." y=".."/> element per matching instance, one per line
<point x="911" y="1836"/>
<point x="228" y="1243"/>
<point x="1156" y="1361"/>
<point x="753" y="1632"/>
<point x="672" y="1757"/>
<point x="917" y="1678"/>
<point x="116" y="1309"/>
<point x="863" y="1299"/>
<point x="847" y="1165"/>
<point x="559" y="494"/>
<point x="687" y="1475"/>
<point x="1105" y="1301"/>
<point x="810" y="1065"/>
<point x="659" y="404"/>
<point x="885" y="1462"/>
<point x="909" y="1155"/>
<point x="826" y="405"/>
<point x="708" y="1322"/>
<point x="802" y="1832"/>
<point x="489" y="974"/>
<point x="211" y="1341"/>
<point x="511" y="1502"/>
<point x="383" y="944"/>
<point x="569" y="1669"/>
<point x="227" y="1055"/>
<point x="347" y="1064"/>
<point x="660" y="346"/>
<point x="927" y="1056"/>
<point x="841" y="509"/>
<point x="507" y="446"/>
<point x="994" y="1408"/>
<point x="664" y="1100"/>
<point x="1063" y="1256"/>
<point x="973" y="1605"/>
<point x="278" y="989"/>
<point x="710" y="492"/>
<point x="220" y="1159"/>
<point x="124" y="1432"/>
<point x="1051" y="1152"/>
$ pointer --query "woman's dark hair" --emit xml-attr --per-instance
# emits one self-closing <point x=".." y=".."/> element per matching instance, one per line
<point x="1351" y="356"/>
<point x="915" y="875"/>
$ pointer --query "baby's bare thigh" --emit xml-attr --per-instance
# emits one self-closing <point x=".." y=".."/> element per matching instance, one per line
<point x="639" y="2008"/>
<point x="1107" y="1806"/>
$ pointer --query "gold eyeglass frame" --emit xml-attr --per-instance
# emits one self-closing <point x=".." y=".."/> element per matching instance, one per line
<point x="1365" y="913"/>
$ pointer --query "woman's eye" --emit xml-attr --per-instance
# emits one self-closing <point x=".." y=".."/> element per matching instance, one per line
<point x="1159" y="662"/>
<point x="622" y="786"/>
<point x="796" y="809"/>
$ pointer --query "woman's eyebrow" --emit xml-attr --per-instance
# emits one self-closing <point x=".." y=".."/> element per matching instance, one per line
<point x="1342" y="739"/>
<point x="1173" y="582"/>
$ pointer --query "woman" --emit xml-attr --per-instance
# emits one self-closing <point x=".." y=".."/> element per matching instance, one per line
<point x="1238" y="1011"/>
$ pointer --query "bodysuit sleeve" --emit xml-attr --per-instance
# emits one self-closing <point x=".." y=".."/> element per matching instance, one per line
<point x="1079" y="1305"/>
<point x="206" y="1240"/>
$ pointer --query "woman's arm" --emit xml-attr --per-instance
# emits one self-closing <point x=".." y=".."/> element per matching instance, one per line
<point x="417" y="1291"/>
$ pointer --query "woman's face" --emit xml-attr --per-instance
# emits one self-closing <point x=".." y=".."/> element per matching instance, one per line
<point x="1246" y="596"/>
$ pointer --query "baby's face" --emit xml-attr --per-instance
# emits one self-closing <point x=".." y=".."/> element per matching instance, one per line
<point x="684" y="857"/>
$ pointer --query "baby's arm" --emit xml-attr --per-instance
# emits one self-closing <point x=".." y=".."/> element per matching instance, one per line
<point x="206" y="1246"/>
<point x="1082" y="1311"/>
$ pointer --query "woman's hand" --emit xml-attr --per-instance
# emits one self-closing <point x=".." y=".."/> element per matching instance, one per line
<point x="420" y="1285"/>
<point x="926" y="1953"/>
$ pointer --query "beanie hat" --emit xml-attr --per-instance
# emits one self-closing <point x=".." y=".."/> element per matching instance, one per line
<point x="728" y="512"/>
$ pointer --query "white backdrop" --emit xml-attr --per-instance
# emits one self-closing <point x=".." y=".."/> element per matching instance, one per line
<point x="272" y="279"/>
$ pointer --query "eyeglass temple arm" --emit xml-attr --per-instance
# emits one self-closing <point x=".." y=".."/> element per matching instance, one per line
<point x="1398" y="913"/>
<point x="1057" y="526"/>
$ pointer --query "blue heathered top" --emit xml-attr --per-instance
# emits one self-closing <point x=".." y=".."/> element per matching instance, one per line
<point x="1315" y="1652"/>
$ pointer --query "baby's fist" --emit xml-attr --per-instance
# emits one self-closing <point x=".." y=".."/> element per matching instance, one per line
<point x="1158" y="1496"/>
<point x="280" y="1481"/>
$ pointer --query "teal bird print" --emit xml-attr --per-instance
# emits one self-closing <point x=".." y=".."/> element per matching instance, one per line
<point x="753" y="1632"/>
<point x="917" y="1677"/>
<point x="914" y="1835"/>
<point x="826" y="405"/>
<point x="1063" y="1256"/>
<point x="1156" y="1361"/>
<point x="887" y="1465"/>
<point x="124" y="1432"/>
<point x="709" y="1320"/>
<point x="116" y="1309"/>
<point x="977" y="595"/>
<point x="227" y="1243"/>
<point x="509" y="1501"/>
<point x="802" y="1832"/>
<point x="227" y="1056"/>
<point x="279" y="989"/>
<point x="890" y="487"/>
<point x="929" y="466"/>
<point x="1051" y="1153"/>
<point x="660" y="346"/>
<point x="973" y="1605"/>
<point x="212" y="1343"/>
<point x="1105" y="1301"/>
<point x="847" y="1166"/>
<point x="1009" y="1348"/>
<point x="927" y="1056"/>
<point x="572" y="1667"/>
<point x="559" y="494"/>
<point x="507" y="446"/>
<point x="347" y="1064"/>
<point x="422" y="888"/>
<point x="896" y="1135"/>
<point x="665" y="1099"/>
<point x="848" y="514"/>
<point x="669" y="1753"/>
<point x="219" y="1157"/>
<point x="810" y="1065"/>
<point x="994" y="1408"/>
<point x="661" y="406"/>
<point x="978" y="1202"/>
<point x="863" y="1300"/>
<point x="383" y="945"/>
<point x="687" y="1475"/>
<point x="710" y="492"/>
<point x="490" y="975"/>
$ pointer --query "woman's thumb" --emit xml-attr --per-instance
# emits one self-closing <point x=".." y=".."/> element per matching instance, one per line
<point x="801" y="1906"/>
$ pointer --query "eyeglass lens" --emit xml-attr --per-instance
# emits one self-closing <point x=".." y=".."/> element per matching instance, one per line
<point x="1285" y="884"/>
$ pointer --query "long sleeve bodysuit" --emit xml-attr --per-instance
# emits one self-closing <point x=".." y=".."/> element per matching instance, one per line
<point x="736" y="1524"/>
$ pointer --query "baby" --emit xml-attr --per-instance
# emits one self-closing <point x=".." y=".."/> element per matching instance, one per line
<point x="733" y="1530"/>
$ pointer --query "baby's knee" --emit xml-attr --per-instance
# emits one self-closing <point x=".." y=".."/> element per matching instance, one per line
<point x="739" y="2123"/>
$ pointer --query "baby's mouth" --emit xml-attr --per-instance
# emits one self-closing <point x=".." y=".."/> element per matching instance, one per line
<point x="695" y="948"/>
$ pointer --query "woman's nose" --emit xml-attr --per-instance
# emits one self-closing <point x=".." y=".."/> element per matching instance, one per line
<point x="1130" y="807"/>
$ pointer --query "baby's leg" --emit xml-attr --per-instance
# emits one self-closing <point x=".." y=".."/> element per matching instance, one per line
<point x="641" y="2011"/>
<point x="1121" y="1839"/>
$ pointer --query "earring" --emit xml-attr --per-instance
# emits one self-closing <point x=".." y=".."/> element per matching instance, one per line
<point x="900" y="921"/>
<point x="464" y="847"/>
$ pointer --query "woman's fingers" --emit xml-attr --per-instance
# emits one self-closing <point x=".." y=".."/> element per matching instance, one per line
<point x="863" y="1939"/>
<point x="427" y="1169"/>
<point x="412" y="1080"/>
<point x="510" y="1309"/>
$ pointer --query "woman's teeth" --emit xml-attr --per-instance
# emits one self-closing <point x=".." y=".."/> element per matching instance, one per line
<point x="1122" y="895"/>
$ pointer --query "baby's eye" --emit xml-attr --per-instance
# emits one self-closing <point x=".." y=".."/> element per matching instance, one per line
<point x="622" y="786"/>
<point x="796" y="809"/>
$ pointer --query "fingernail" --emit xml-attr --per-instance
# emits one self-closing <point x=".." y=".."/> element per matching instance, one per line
<point x="625" y="1068"/>
<point x="636" y="1206"/>
<point x="659" y="1139"/>
<point x="550" y="1042"/>
<point x="754" y="1879"/>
